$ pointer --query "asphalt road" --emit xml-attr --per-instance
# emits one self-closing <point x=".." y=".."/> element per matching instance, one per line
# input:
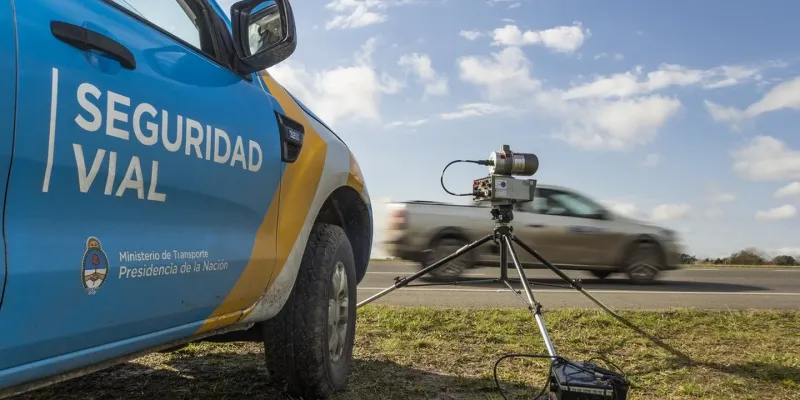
<point x="710" y="288"/>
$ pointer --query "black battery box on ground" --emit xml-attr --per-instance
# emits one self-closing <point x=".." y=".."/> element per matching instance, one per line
<point x="585" y="382"/>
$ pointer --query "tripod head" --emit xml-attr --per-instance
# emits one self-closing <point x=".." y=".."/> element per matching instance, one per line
<point x="503" y="213"/>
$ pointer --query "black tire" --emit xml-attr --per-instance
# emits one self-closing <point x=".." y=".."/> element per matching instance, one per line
<point x="296" y="341"/>
<point x="450" y="270"/>
<point x="600" y="274"/>
<point x="643" y="264"/>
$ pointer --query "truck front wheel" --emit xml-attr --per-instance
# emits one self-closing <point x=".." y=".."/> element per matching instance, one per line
<point x="309" y="344"/>
<point x="643" y="264"/>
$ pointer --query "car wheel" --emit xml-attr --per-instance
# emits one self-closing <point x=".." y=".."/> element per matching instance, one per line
<point x="450" y="270"/>
<point x="601" y="274"/>
<point x="309" y="344"/>
<point x="643" y="264"/>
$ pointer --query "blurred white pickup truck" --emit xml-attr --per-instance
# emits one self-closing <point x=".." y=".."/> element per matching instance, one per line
<point x="569" y="229"/>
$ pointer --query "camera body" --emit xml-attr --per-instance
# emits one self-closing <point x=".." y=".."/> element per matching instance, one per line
<point x="500" y="187"/>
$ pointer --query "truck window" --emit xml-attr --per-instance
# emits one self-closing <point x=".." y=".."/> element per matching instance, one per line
<point x="557" y="202"/>
<point x="179" y="18"/>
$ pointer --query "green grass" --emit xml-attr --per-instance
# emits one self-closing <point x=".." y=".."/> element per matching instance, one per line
<point x="427" y="353"/>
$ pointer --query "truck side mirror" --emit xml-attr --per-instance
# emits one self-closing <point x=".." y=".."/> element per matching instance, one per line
<point x="264" y="33"/>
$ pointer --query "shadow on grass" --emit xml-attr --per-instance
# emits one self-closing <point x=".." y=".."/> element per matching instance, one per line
<point x="228" y="375"/>
<point x="766" y="372"/>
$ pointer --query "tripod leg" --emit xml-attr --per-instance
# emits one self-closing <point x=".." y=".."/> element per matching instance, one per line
<point x="536" y="308"/>
<point x="578" y="287"/>
<point x="575" y="285"/>
<point x="403" y="282"/>
<point x="503" y="261"/>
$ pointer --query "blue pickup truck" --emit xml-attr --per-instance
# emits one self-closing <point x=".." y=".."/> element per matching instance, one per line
<point x="161" y="188"/>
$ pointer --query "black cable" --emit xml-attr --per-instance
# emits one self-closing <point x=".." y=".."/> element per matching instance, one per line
<point x="441" y="179"/>
<point x="517" y="355"/>
<point x="622" y="373"/>
<point x="550" y="370"/>
<point x="605" y="360"/>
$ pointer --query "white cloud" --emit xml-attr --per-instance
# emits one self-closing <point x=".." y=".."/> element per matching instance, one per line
<point x="351" y="14"/>
<point x="666" y="212"/>
<point x="505" y="75"/>
<point x="715" y="195"/>
<point x="615" y="125"/>
<point x="420" y="65"/>
<point x="714" y="212"/>
<point x="766" y="158"/>
<point x="790" y="190"/>
<point x="729" y="115"/>
<point x="631" y="83"/>
<point x="616" y="56"/>
<point x="785" y="95"/>
<point x="565" y="38"/>
<point x="785" y="211"/>
<point x="515" y="5"/>
<point x="651" y="160"/>
<point x="476" y="110"/>
<point x="624" y="209"/>
<point x="412" y="124"/>
<point x="589" y="123"/>
<point x="616" y="112"/>
<point x="470" y="35"/>
<point x="347" y="92"/>
<point x="356" y="13"/>
<point x="723" y="198"/>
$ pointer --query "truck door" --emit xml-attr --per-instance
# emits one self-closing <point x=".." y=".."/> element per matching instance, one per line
<point x="578" y="234"/>
<point x="8" y="92"/>
<point x="144" y="171"/>
<point x="544" y="233"/>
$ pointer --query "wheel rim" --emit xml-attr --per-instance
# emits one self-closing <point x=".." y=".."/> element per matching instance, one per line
<point x="642" y="271"/>
<point x="644" y="266"/>
<point x="452" y="268"/>
<point x="338" y="315"/>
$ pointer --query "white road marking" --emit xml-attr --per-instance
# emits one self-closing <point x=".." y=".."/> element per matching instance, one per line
<point x="503" y="290"/>
<point x="786" y="270"/>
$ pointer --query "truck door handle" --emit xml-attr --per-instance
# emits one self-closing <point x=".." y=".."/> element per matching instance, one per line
<point x="86" y="39"/>
<point x="535" y="225"/>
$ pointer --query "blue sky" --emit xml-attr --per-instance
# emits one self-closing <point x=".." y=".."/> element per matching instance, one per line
<point x="680" y="113"/>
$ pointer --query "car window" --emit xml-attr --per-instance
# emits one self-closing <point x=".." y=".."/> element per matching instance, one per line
<point x="555" y="202"/>
<point x="173" y="16"/>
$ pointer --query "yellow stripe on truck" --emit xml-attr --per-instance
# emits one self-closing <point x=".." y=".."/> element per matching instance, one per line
<point x="355" y="179"/>
<point x="256" y="275"/>
<point x="298" y="186"/>
<point x="300" y="179"/>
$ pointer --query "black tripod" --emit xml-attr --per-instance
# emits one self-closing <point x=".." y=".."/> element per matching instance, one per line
<point x="502" y="235"/>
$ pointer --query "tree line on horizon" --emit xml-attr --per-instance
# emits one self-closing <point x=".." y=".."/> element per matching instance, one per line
<point x="748" y="256"/>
